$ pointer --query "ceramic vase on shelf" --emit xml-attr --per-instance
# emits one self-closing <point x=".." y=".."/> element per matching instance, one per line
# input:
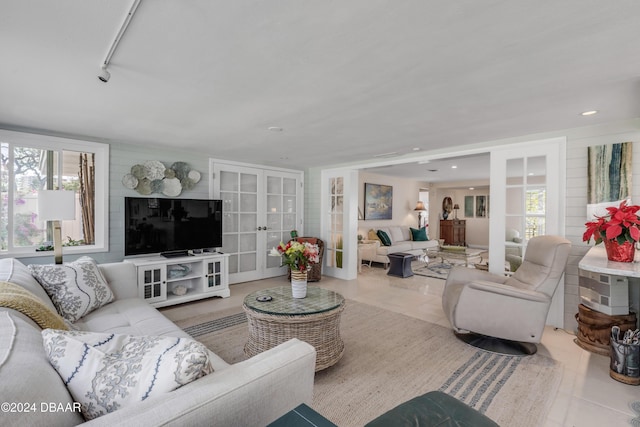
<point x="298" y="284"/>
<point x="619" y="252"/>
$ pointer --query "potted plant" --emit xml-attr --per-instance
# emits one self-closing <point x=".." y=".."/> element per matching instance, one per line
<point x="298" y="256"/>
<point x="619" y="230"/>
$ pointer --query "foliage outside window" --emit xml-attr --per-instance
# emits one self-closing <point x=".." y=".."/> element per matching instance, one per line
<point x="535" y="212"/>
<point x="30" y="163"/>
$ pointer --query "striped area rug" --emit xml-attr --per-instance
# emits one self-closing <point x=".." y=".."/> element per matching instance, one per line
<point x="390" y="358"/>
<point x="215" y="325"/>
<point x="480" y="379"/>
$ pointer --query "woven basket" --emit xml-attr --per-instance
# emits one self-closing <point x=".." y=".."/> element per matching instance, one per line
<point x="594" y="329"/>
<point x="321" y="330"/>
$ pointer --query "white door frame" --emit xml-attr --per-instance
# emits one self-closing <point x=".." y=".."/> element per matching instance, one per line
<point x="555" y="151"/>
<point x="349" y="230"/>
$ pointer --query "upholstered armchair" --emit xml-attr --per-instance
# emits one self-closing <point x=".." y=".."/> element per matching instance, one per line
<point x="481" y="305"/>
<point x="315" y="272"/>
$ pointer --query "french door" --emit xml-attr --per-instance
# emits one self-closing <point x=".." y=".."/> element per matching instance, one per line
<point x="339" y="222"/>
<point x="527" y="195"/>
<point x="260" y="207"/>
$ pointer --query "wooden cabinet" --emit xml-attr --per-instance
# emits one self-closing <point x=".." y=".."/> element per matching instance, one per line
<point x="453" y="231"/>
<point x="167" y="281"/>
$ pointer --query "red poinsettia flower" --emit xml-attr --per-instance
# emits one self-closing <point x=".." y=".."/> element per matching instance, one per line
<point x="621" y="223"/>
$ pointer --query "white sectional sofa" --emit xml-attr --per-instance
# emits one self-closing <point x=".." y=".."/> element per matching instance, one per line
<point x="400" y="242"/>
<point x="254" y="392"/>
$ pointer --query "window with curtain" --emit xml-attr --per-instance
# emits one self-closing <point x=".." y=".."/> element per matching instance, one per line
<point x="30" y="163"/>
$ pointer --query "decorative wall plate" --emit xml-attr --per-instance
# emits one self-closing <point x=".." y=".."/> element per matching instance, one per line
<point x="172" y="187"/>
<point x="153" y="176"/>
<point x="129" y="181"/>
<point x="154" y="169"/>
<point x="194" y="176"/>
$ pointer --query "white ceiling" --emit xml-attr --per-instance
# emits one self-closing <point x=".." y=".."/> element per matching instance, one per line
<point x="345" y="80"/>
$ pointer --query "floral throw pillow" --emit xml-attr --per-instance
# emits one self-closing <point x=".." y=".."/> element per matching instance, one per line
<point x="105" y="372"/>
<point x="76" y="288"/>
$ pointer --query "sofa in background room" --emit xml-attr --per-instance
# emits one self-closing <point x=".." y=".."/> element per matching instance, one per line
<point x="401" y="241"/>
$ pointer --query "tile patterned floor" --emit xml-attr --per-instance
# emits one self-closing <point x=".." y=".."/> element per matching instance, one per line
<point x="587" y="395"/>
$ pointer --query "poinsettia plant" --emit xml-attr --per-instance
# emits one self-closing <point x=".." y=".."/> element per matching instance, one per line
<point x="297" y="255"/>
<point x="620" y="223"/>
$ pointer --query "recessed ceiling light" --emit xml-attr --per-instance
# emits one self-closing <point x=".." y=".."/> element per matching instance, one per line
<point x="530" y="173"/>
<point x="416" y="148"/>
<point x="589" y="113"/>
<point x="472" y="188"/>
<point x="454" y="167"/>
<point x="275" y="129"/>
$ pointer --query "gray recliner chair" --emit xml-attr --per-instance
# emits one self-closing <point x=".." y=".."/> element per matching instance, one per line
<point x="507" y="314"/>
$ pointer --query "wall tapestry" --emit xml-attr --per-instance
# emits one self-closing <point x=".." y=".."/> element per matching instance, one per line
<point x="378" y="201"/>
<point x="609" y="176"/>
<point x="153" y="176"/>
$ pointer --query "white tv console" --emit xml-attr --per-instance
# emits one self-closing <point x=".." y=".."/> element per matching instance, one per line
<point x="168" y="281"/>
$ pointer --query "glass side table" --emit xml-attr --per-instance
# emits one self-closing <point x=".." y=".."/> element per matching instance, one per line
<point x="314" y="319"/>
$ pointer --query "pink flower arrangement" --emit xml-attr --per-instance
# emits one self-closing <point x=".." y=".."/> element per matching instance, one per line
<point x="297" y="255"/>
<point x="620" y="223"/>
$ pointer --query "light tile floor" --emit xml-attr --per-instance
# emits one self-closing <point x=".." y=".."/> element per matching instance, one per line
<point x="587" y="395"/>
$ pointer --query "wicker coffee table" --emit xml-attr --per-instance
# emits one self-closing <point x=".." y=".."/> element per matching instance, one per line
<point x="314" y="319"/>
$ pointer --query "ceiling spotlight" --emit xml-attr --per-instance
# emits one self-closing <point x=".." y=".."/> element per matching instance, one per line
<point x="589" y="113"/>
<point x="104" y="75"/>
<point x="454" y="167"/>
<point x="275" y="129"/>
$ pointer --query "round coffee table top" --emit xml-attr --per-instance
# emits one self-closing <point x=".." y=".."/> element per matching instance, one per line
<point x="318" y="300"/>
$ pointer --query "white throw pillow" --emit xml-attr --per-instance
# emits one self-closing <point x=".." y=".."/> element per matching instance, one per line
<point x="105" y="372"/>
<point x="76" y="288"/>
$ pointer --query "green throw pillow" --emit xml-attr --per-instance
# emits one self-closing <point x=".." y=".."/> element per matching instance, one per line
<point x="384" y="238"/>
<point x="419" y="235"/>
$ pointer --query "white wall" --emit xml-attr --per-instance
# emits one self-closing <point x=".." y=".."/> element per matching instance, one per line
<point x="405" y="196"/>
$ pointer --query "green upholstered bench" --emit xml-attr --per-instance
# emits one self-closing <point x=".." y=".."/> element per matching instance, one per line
<point x="432" y="409"/>
<point x="301" y="416"/>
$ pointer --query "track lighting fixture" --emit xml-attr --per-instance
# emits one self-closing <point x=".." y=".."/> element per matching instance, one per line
<point x="104" y="75"/>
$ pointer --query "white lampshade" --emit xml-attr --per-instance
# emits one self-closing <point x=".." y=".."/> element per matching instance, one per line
<point x="56" y="205"/>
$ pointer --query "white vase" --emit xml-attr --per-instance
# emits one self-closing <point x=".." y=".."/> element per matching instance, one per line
<point x="298" y="284"/>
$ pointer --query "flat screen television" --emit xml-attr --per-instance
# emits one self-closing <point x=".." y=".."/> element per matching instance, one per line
<point x="171" y="227"/>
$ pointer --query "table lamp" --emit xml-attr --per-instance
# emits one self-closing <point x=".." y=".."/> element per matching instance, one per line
<point x="455" y="208"/>
<point x="420" y="208"/>
<point x="55" y="206"/>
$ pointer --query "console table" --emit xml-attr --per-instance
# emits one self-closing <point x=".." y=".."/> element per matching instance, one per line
<point x="168" y="281"/>
<point x="453" y="231"/>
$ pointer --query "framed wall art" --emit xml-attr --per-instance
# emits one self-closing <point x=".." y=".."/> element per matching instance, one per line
<point x="609" y="176"/>
<point x="481" y="206"/>
<point x="378" y="201"/>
